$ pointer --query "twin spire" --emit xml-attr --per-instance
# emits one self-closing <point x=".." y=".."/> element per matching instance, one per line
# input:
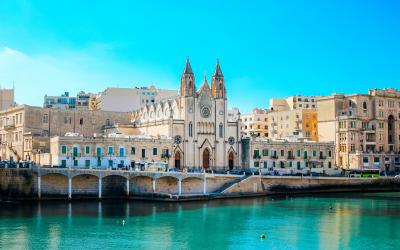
<point x="188" y="87"/>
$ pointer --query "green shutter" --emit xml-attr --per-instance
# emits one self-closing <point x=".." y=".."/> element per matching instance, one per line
<point x="63" y="149"/>
<point x="87" y="150"/>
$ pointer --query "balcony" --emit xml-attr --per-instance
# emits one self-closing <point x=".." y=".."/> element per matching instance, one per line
<point x="9" y="126"/>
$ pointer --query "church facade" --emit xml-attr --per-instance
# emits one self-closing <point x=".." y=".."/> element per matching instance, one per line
<point x="197" y="121"/>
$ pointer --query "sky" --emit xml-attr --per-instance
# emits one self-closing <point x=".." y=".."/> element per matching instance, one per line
<point x="267" y="49"/>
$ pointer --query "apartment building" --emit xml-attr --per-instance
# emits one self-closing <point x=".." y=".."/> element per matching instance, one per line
<point x="280" y="157"/>
<point x="255" y="123"/>
<point x="365" y="128"/>
<point x="284" y="118"/>
<point x="65" y="101"/>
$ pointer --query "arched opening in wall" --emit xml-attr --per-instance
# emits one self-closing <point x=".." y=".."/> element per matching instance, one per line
<point x="231" y="158"/>
<point x="177" y="160"/>
<point x="391" y="132"/>
<point x="206" y="158"/>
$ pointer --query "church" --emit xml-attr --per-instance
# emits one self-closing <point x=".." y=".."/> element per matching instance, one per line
<point x="197" y="121"/>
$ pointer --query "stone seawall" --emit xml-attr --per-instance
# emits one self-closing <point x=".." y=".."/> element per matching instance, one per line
<point x="21" y="184"/>
<point x="274" y="185"/>
<point x="17" y="183"/>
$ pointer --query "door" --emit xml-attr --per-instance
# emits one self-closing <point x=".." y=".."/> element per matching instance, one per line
<point x="230" y="160"/>
<point x="206" y="158"/>
<point x="177" y="160"/>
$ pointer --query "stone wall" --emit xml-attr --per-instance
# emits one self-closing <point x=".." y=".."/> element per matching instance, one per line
<point x="16" y="183"/>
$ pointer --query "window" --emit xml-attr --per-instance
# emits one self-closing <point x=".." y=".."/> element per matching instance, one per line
<point x="110" y="163"/>
<point x="364" y="105"/>
<point x="314" y="153"/>
<point x="98" y="151"/>
<point x="81" y="121"/>
<point x="122" y="152"/>
<point x="190" y="129"/>
<point x="87" y="150"/>
<point x="63" y="163"/>
<point x="154" y="151"/>
<point x="63" y="149"/>
<point x="75" y="152"/>
<point x="282" y="152"/>
<point x="330" y="153"/>
<point x="298" y="153"/>
<point x="133" y="150"/>
<point x="87" y="163"/>
<point x="45" y="118"/>
<point x="305" y="155"/>
<point x="143" y="152"/>
<point x="75" y="163"/>
<point x="110" y="150"/>
<point x="329" y="164"/>
<point x="265" y="152"/>
<point x="298" y="165"/>
<point x="256" y="153"/>
<point x="98" y="162"/>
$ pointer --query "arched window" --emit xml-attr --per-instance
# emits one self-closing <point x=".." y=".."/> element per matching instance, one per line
<point x="190" y="129"/>
<point x="221" y="130"/>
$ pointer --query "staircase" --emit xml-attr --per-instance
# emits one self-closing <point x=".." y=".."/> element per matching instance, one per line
<point x="226" y="186"/>
<point x="14" y="152"/>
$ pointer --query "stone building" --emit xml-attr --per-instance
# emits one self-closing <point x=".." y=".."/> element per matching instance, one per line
<point x="204" y="136"/>
<point x="292" y="157"/>
<point x="25" y="131"/>
<point x="109" y="151"/>
<point x="365" y="128"/>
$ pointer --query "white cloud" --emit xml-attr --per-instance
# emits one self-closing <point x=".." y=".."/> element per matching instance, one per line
<point x="37" y="75"/>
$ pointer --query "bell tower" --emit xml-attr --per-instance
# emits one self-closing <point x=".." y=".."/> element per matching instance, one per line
<point x="188" y="87"/>
<point x="218" y="89"/>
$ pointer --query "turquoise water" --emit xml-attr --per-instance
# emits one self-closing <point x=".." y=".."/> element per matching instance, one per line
<point x="356" y="221"/>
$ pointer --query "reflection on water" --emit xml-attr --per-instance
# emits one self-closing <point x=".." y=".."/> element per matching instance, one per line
<point x="357" y="221"/>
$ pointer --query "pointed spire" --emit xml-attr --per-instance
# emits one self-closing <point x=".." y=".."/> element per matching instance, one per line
<point x="205" y="85"/>
<point x="218" y="71"/>
<point x="188" y="68"/>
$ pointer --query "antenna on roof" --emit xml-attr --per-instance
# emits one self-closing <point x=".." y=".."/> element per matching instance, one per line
<point x="13" y="85"/>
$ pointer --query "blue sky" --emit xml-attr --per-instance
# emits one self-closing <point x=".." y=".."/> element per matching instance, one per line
<point x="266" y="48"/>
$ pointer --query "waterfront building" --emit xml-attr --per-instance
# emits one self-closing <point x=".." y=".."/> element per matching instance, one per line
<point x="6" y="98"/>
<point x="130" y="99"/>
<point x="204" y="137"/>
<point x="365" y="128"/>
<point x="25" y="131"/>
<point x="109" y="151"/>
<point x="286" y="156"/>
